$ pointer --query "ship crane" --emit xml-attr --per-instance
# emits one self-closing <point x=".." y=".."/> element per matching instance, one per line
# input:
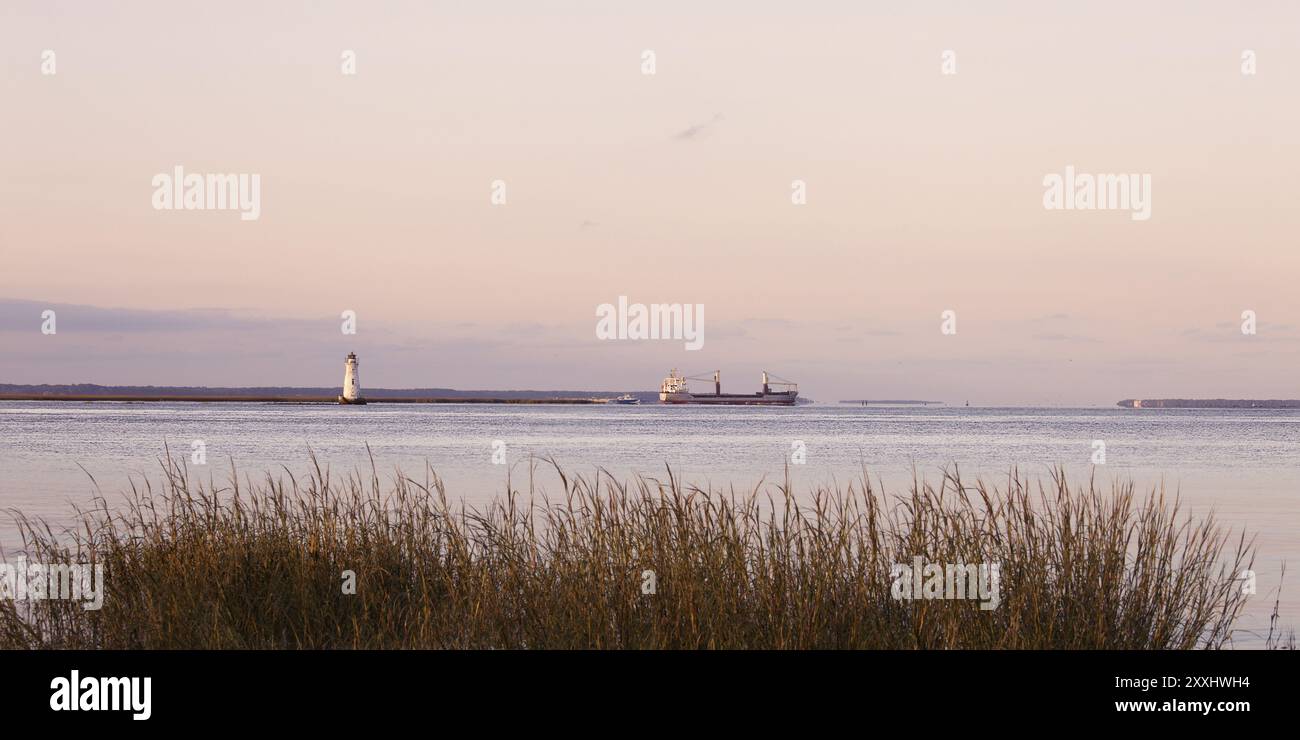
<point x="716" y="378"/>
<point x="782" y="383"/>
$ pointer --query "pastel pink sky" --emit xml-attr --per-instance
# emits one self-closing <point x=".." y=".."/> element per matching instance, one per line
<point x="924" y="194"/>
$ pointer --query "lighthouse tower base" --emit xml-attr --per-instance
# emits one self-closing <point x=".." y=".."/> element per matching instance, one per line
<point x="345" y="401"/>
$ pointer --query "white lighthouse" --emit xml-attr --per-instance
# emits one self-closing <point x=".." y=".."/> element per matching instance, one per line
<point x="351" y="382"/>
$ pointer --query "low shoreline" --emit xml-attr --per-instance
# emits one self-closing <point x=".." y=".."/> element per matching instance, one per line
<point x="163" y="398"/>
<point x="1209" y="403"/>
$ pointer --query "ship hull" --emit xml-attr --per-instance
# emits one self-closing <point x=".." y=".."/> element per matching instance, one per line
<point x="729" y="399"/>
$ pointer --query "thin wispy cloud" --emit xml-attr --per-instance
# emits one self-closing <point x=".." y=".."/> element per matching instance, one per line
<point x="1060" y="337"/>
<point x="699" y="130"/>
<point x="25" y="316"/>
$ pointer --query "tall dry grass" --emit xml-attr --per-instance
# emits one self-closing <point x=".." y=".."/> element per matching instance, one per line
<point x="260" y="564"/>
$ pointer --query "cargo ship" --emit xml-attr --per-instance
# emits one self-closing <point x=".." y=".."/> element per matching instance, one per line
<point x="676" y="389"/>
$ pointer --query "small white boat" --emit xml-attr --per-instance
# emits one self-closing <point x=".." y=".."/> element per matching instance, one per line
<point x="627" y="399"/>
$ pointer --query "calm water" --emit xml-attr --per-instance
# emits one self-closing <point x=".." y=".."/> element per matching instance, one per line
<point x="1243" y="464"/>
